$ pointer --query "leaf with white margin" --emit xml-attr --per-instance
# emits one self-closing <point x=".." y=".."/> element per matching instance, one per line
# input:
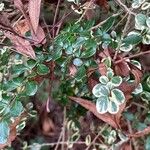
<point x="107" y="61"/>
<point x="148" y="81"/>
<point x="138" y="90"/>
<point x="100" y="90"/>
<point x="103" y="79"/>
<point x="102" y="104"/>
<point x="148" y="22"/>
<point x="116" y="80"/>
<point x="145" y="6"/>
<point x="113" y="107"/>
<point x="118" y="96"/>
<point x="136" y="5"/>
<point x="136" y="63"/>
<point x="146" y="39"/>
<point x="110" y="73"/>
<point x="140" y="21"/>
<point x="126" y="48"/>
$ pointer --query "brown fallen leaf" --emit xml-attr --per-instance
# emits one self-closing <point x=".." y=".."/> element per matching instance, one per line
<point x="102" y="69"/>
<point x="91" y="107"/>
<point x="122" y="69"/>
<point x="39" y="37"/>
<point x="21" y="45"/>
<point x="34" y="13"/>
<point x="22" y="27"/>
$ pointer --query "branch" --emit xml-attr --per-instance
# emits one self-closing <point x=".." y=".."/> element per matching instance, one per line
<point x="119" y="2"/>
<point x="132" y="56"/>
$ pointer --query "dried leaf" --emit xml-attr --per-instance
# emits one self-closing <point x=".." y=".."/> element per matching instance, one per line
<point x="91" y="107"/>
<point x="102" y="69"/>
<point x="102" y="3"/>
<point x="72" y="70"/>
<point x="18" y="4"/>
<point x="122" y="69"/>
<point x="141" y="133"/>
<point x="91" y="83"/>
<point x="21" y="45"/>
<point x="34" y="13"/>
<point x="22" y="27"/>
<point x="4" y="20"/>
<point x="127" y="146"/>
<point x="39" y="37"/>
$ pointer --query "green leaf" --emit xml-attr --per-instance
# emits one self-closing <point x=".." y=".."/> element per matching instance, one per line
<point x="103" y="79"/>
<point x="102" y="104"/>
<point x="77" y="62"/>
<point x="129" y="116"/>
<point x="133" y="39"/>
<point x="108" y="24"/>
<point x="107" y="61"/>
<point x="113" y="107"/>
<point x="140" y="21"/>
<point x="126" y="48"/>
<point x="100" y="90"/>
<point x="81" y="73"/>
<point x="88" y="52"/>
<point x="18" y="69"/>
<point x="110" y="73"/>
<point x="146" y="39"/>
<point x="13" y="84"/>
<point x="57" y="54"/>
<point x="118" y="96"/>
<point x="148" y="22"/>
<point x="4" y="132"/>
<point x="31" y="63"/>
<point x="16" y="109"/>
<point x="145" y="96"/>
<point x="147" y="143"/>
<point x="136" y="63"/>
<point x="148" y="81"/>
<point x="138" y="90"/>
<point x="79" y="42"/>
<point x="31" y="88"/>
<point x="116" y="80"/>
<point x="42" y="69"/>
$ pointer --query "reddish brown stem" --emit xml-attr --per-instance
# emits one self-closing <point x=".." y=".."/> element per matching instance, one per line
<point x="132" y="56"/>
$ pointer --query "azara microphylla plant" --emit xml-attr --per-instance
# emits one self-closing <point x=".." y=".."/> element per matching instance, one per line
<point x="109" y="97"/>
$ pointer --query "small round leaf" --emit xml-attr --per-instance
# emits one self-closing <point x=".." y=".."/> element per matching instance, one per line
<point x="113" y="107"/>
<point x="100" y="90"/>
<point x="4" y="132"/>
<point x="102" y="104"/>
<point x="31" y="88"/>
<point x="118" y="96"/>
<point x="103" y="79"/>
<point x="42" y="69"/>
<point x="116" y="80"/>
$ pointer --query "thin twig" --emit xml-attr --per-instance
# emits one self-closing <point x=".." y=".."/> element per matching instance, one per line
<point x="47" y="29"/>
<point x="64" y="130"/>
<point x="58" y="142"/>
<point x="121" y="4"/>
<point x="120" y="21"/>
<point x="101" y="23"/>
<point x="55" y="16"/>
<point x="96" y="137"/>
<point x="88" y="6"/>
<point x="131" y="132"/>
<point x="126" y="25"/>
<point x="132" y="56"/>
